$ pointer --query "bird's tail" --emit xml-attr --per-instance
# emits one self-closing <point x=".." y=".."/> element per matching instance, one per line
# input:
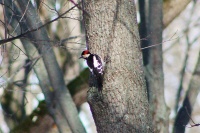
<point x="100" y="83"/>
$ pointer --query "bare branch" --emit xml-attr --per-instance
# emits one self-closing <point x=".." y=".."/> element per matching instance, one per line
<point x="182" y="72"/>
<point x="36" y="29"/>
<point x="5" y="20"/>
<point x="170" y="39"/>
<point x="21" y="17"/>
<point x="194" y="124"/>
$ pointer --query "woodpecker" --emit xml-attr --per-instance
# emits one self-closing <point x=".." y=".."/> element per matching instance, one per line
<point x="95" y="65"/>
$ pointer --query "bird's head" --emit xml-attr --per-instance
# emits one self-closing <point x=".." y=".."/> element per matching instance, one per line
<point x="85" y="54"/>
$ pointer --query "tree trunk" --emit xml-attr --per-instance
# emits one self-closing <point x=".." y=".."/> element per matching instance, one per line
<point x="112" y="33"/>
<point x="154" y="69"/>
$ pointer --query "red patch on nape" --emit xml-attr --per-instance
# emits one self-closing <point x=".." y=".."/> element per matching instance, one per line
<point x="85" y="52"/>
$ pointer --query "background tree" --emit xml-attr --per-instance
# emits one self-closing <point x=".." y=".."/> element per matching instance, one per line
<point x="152" y="26"/>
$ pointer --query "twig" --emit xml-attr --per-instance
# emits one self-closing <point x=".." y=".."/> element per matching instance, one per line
<point x="170" y="39"/>
<point x="77" y="5"/>
<point x="194" y="124"/>
<point x="5" y="20"/>
<point x="36" y="29"/>
<point x="185" y="60"/>
<point x="19" y="49"/>
<point x="21" y="17"/>
<point x="31" y="62"/>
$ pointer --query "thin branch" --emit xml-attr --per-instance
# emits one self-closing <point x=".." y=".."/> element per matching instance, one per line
<point x="50" y="7"/>
<point x="194" y="124"/>
<point x="13" y="12"/>
<point x="31" y="62"/>
<point x="36" y="29"/>
<point x="182" y="72"/>
<point x="5" y="20"/>
<point x="79" y="7"/>
<point x="170" y="39"/>
<point x="21" y="17"/>
<point x="19" y="49"/>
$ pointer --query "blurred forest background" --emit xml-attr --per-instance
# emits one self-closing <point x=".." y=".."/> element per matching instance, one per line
<point x="38" y="33"/>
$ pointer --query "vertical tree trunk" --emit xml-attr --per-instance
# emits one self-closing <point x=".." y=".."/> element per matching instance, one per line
<point x="154" y="69"/>
<point x="113" y="33"/>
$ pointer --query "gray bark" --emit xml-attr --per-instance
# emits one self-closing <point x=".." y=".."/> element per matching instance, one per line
<point x="154" y="69"/>
<point x="113" y="33"/>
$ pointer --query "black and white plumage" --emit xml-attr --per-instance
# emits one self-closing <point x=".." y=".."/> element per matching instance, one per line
<point x="95" y="65"/>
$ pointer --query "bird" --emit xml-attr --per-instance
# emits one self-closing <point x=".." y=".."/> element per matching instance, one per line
<point x="95" y="65"/>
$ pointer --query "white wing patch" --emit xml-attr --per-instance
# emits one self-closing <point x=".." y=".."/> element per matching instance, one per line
<point x="96" y="63"/>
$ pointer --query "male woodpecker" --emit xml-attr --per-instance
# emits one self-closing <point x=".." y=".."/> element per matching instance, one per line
<point x="95" y="65"/>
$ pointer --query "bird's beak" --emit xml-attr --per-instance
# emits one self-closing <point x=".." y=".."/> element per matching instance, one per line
<point x="80" y="57"/>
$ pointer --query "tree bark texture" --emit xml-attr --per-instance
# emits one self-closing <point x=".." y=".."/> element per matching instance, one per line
<point x="154" y="69"/>
<point x="57" y="97"/>
<point x="112" y="33"/>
